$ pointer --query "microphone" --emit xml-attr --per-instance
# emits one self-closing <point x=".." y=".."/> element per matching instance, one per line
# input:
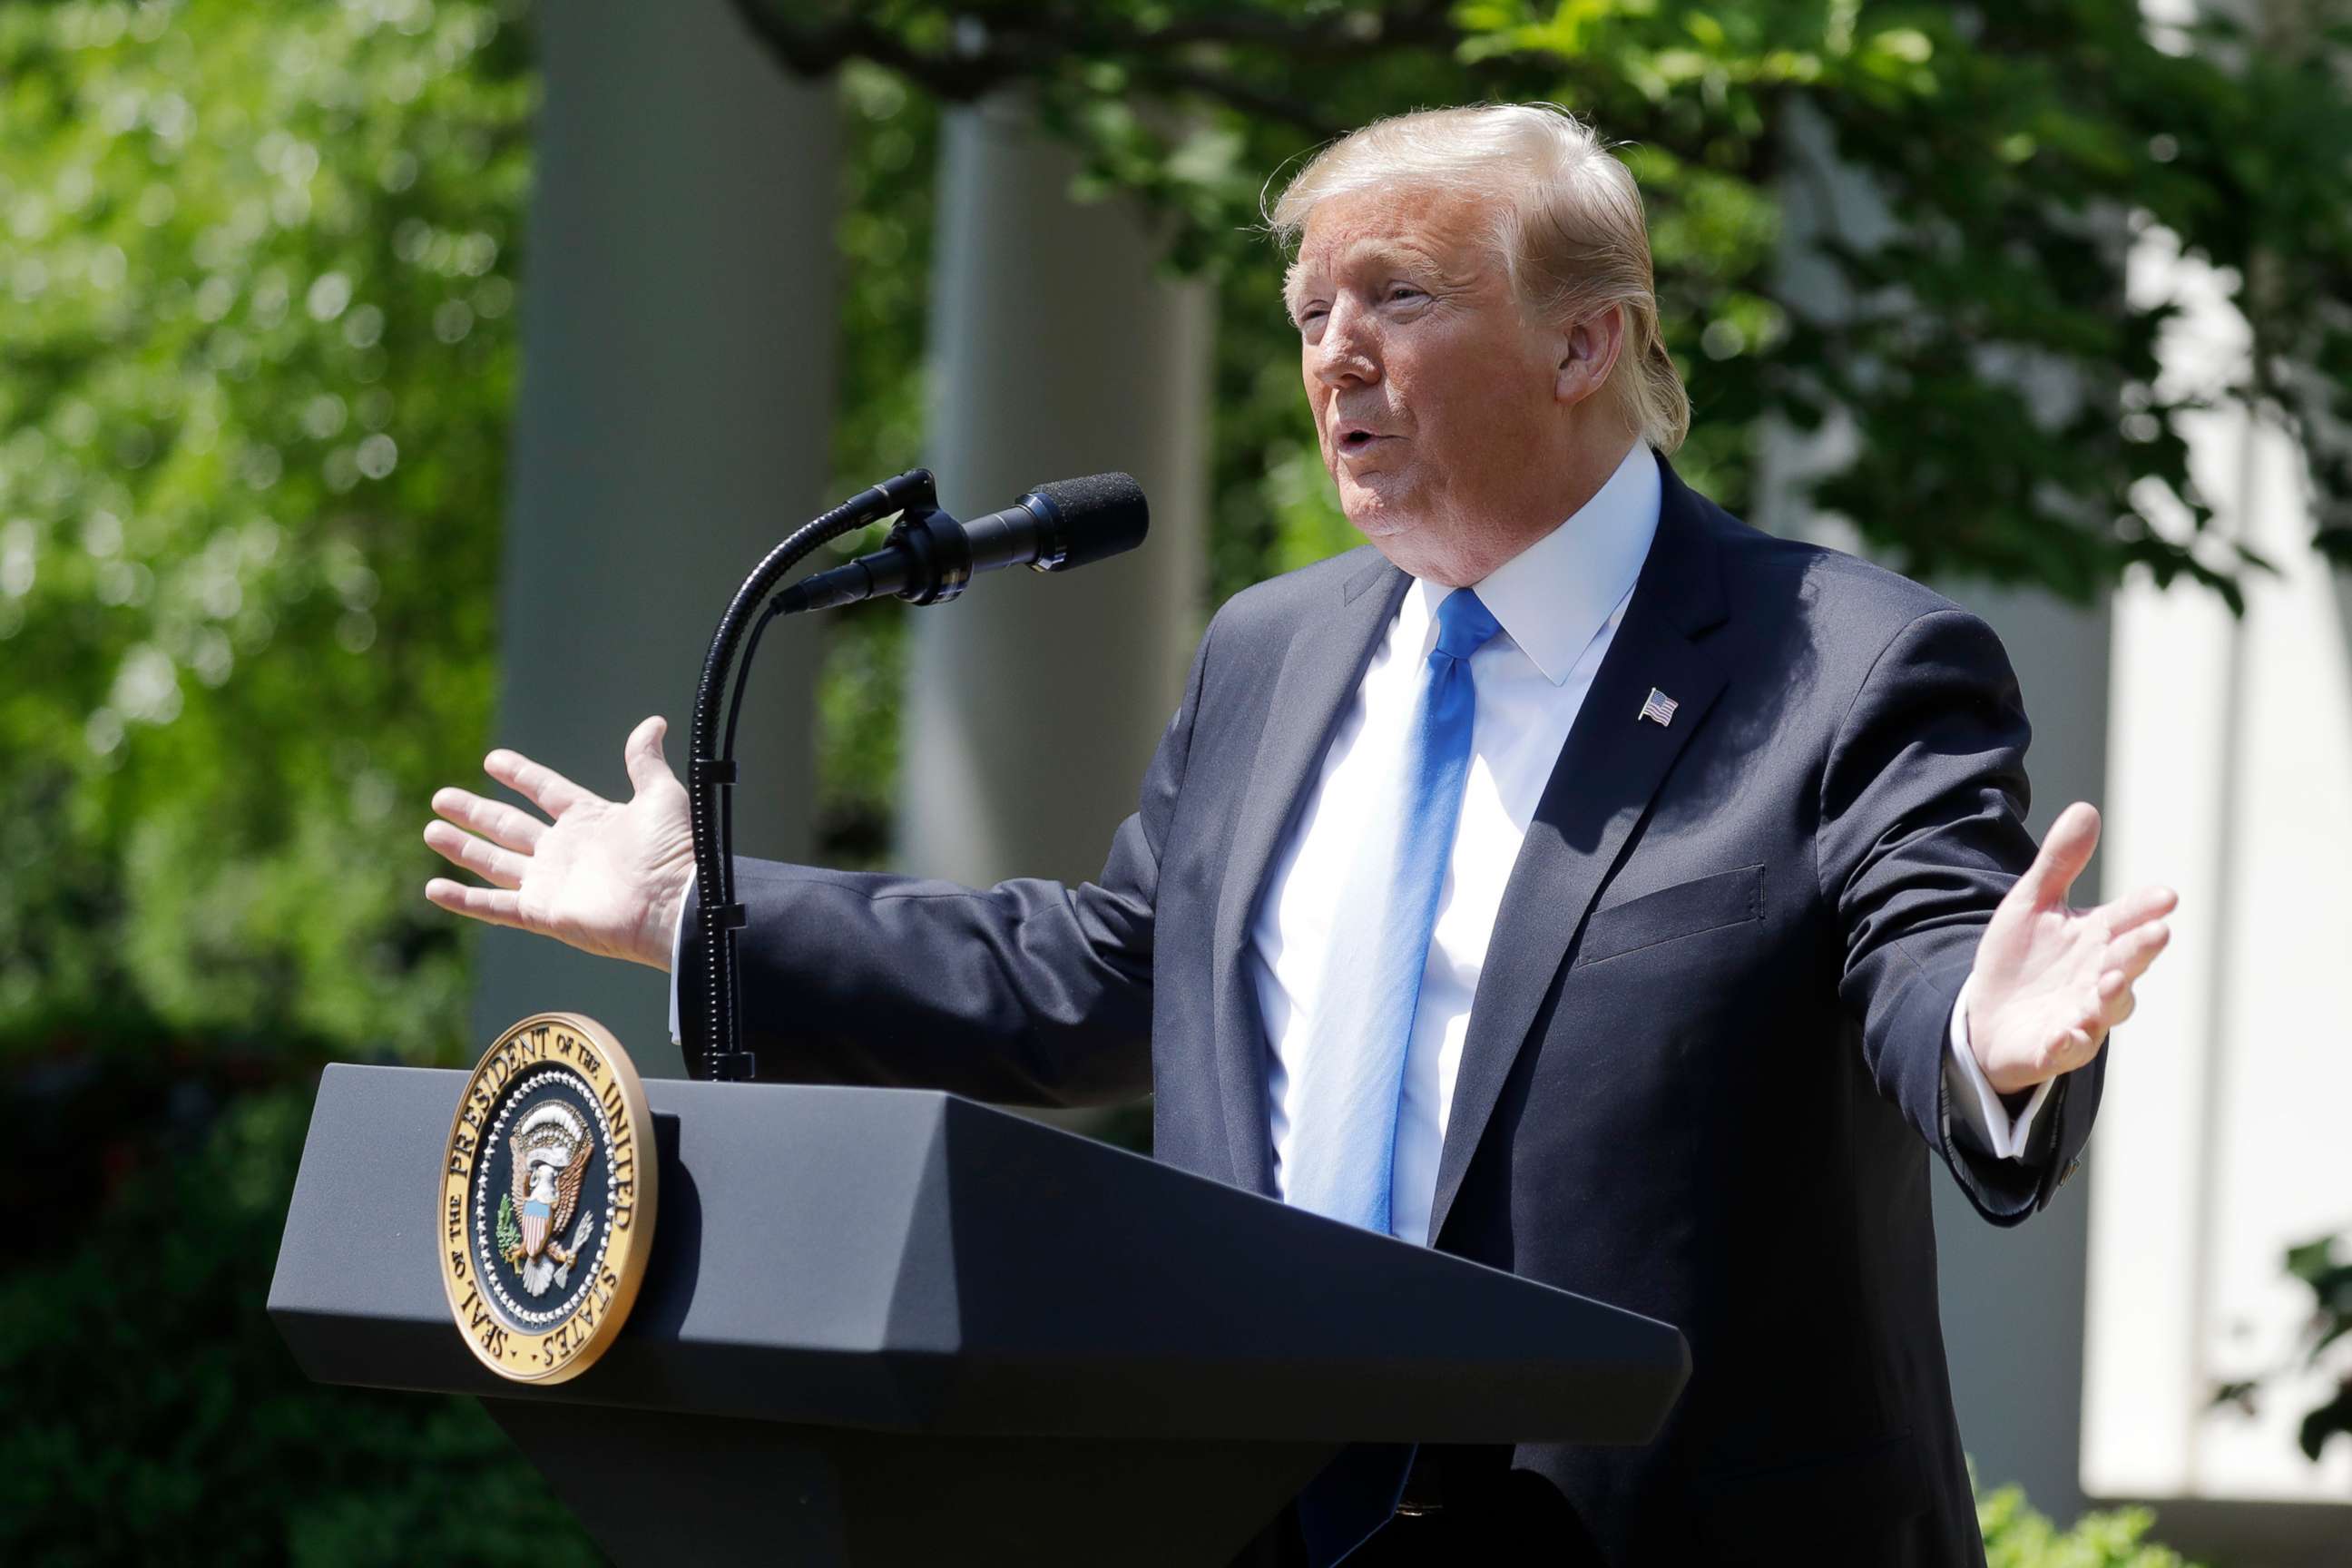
<point x="930" y="557"/>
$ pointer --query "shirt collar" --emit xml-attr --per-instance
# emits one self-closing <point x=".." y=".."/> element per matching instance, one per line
<point x="1555" y="595"/>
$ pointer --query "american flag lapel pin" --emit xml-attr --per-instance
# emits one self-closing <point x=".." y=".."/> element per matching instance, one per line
<point x="1660" y="706"/>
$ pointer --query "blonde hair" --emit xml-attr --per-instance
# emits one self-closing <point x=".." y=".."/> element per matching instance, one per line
<point x="1568" y="225"/>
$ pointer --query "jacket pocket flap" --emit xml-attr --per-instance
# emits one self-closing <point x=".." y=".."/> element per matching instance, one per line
<point x="1686" y="909"/>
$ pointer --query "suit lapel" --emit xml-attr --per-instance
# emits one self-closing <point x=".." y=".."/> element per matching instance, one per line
<point x="1608" y="771"/>
<point x="1321" y="669"/>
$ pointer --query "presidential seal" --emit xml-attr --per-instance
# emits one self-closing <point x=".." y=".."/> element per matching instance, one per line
<point x="547" y="1198"/>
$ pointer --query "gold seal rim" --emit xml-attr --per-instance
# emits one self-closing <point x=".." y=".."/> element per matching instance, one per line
<point x="515" y="1354"/>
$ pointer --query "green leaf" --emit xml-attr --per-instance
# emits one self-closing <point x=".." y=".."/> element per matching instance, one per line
<point x="508" y="1231"/>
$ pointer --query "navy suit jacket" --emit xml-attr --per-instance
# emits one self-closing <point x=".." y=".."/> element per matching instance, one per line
<point x="1704" y="1068"/>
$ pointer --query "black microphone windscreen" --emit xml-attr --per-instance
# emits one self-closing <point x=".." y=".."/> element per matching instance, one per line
<point x="1102" y="514"/>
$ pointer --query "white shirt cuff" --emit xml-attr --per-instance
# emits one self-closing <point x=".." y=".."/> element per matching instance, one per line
<point x="677" y="948"/>
<point x="1971" y="1097"/>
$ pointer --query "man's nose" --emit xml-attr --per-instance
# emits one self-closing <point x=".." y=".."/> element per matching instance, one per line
<point x="1347" y="354"/>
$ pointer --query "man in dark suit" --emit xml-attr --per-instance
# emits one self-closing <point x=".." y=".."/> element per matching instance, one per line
<point x="1575" y="879"/>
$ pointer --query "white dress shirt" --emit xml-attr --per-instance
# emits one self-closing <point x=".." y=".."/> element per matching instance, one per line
<point x="1558" y="601"/>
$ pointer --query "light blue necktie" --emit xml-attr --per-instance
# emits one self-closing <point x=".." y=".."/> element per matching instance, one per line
<point x="1350" y="1072"/>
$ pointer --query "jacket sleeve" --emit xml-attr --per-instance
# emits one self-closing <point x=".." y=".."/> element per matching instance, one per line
<point x="1029" y="992"/>
<point x="1922" y="832"/>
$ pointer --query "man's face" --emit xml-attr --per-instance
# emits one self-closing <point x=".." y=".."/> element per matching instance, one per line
<point x="1432" y="391"/>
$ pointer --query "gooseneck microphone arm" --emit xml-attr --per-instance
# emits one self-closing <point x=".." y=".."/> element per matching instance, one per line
<point x="711" y="772"/>
<point x="928" y="558"/>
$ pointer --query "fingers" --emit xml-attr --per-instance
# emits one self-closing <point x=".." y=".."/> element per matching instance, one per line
<point x="493" y="819"/>
<point x="647" y="767"/>
<point x="2131" y="954"/>
<point x="2128" y="958"/>
<point x="2117" y="999"/>
<point x="2138" y="908"/>
<point x="542" y="786"/>
<point x="490" y="905"/>
<point x="502" y="867"/>
<point x="2081" y="1040"/>
<point x="2063" y="854"/>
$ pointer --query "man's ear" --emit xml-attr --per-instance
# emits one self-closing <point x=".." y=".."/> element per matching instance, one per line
<point x="1589" y="351"/>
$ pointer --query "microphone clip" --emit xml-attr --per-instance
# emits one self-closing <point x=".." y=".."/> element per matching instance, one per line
<point x="939" y="559"/>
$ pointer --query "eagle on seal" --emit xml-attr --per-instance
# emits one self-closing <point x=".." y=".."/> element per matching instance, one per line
<point x="551" y="1150"/>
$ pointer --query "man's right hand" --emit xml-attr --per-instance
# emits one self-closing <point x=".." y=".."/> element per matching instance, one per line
<point x="602" y="877"/>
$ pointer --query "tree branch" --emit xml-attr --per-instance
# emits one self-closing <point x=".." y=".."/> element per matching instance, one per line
<point x="1035" y="47"/>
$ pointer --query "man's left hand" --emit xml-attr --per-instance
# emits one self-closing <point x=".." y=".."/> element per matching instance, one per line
<point x="2051" y="981"/>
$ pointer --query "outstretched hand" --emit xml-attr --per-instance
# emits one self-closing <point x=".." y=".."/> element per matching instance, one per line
<point x="601" y="876"/>
<point x="2051" y="981"/>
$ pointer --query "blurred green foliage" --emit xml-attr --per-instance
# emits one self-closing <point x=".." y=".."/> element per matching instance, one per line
<point x="256" y="299"/>
<point x="2328" y="1276"/>
<point x="258" y="355"/>
<point x="2320" y="1266"/>
<point x="154" y="1416"/>
<point x="2017" y="1537"/>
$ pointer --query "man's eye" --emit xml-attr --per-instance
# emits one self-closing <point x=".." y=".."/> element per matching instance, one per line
<point x="1309" y="316"/>
<point x="1403" y="291"/>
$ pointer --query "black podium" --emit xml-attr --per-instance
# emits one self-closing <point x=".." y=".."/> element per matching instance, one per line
<point x="885" y="1327"/>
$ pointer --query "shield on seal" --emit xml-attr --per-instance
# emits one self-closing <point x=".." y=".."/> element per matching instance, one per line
<point x="551" y="1148"/>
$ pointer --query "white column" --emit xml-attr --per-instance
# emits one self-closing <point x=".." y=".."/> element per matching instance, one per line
<point x="676" y="405"/>
<point x="1033" y="703"/>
